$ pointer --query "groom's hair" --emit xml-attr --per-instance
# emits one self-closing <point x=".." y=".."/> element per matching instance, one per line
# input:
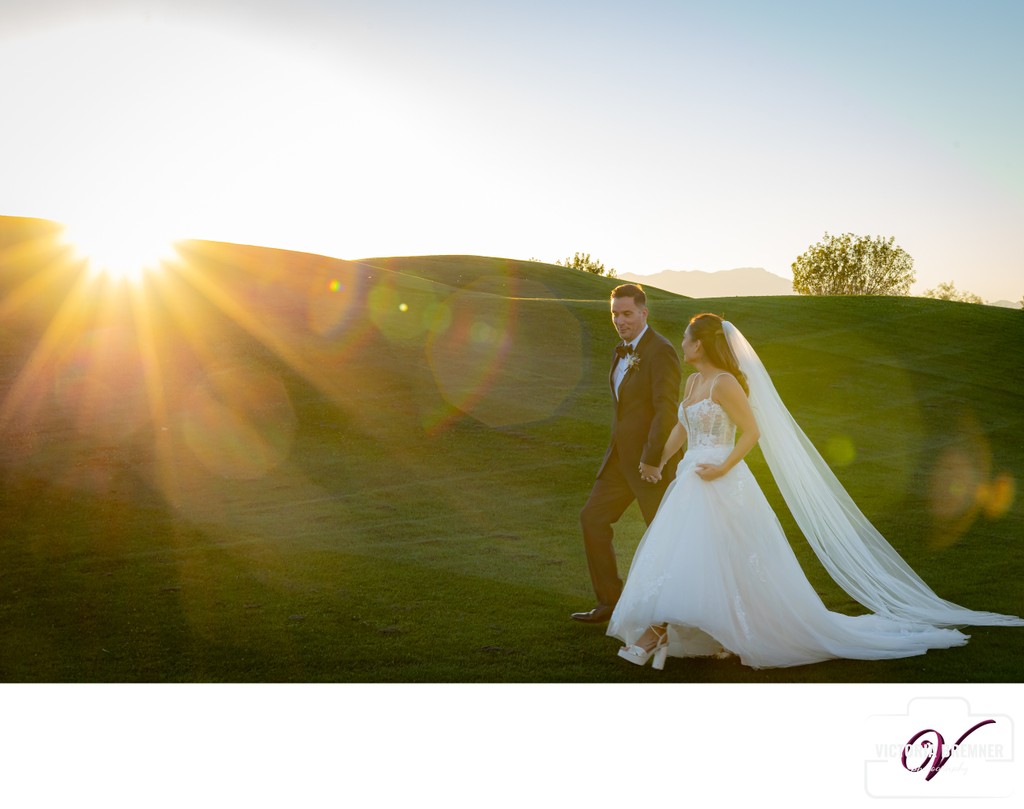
<point x="634" y="291"/>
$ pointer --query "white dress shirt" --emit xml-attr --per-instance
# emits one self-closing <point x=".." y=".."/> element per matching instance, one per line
<point x="620" y="368"/>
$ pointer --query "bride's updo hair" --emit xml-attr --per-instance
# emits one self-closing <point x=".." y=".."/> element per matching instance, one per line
<point x="707" y="328"/>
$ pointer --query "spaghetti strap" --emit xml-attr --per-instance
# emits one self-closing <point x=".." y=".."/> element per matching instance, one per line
<point x="711" y="390"/>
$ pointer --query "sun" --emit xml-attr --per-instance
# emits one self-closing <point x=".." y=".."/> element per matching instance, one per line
<point x="120" y="249"/>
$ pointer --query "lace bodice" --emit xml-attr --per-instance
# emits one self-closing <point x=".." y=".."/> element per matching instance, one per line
<point x="707" y="424"/>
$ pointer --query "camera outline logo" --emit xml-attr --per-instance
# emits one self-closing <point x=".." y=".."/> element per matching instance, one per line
<point x="939" y="748"/>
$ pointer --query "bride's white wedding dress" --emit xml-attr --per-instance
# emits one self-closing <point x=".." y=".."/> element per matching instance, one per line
<point x="716" y="566"/>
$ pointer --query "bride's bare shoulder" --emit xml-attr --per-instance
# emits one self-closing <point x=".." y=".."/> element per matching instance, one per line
<point x="726" y="385"/>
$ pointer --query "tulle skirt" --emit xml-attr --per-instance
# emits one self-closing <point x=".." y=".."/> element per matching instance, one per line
<point x="716" y="566"/>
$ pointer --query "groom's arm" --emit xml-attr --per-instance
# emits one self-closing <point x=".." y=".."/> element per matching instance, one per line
<point x="666" y="374"/>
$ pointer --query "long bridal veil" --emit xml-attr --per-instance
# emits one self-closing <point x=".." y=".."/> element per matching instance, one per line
<point x="851" y="549"/>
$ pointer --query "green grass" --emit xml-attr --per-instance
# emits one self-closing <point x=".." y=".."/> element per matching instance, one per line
<point x="285" y="468"/>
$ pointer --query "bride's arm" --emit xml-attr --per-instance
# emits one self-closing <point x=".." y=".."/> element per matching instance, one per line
<point x="730" y="395"/>
<point x="676" y="441"/>
<point x="678" y="437"/>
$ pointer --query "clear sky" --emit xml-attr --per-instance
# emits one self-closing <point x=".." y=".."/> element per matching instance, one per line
<point x="653" y="135"/>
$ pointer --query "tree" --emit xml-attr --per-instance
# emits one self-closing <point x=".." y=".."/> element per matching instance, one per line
<point x="949" y="292"/>
<point x="583" y="262"/>
<point x="853" y="265"/>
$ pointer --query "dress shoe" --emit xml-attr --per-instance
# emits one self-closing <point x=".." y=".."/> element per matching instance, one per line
<point x="599" y="615"/>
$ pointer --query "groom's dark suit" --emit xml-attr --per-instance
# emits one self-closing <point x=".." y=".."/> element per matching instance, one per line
<point x="646" y="410"/>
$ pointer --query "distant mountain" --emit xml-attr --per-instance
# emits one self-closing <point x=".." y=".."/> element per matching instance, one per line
<point x="1007" y="304"/>
<point x="742" y="282"/>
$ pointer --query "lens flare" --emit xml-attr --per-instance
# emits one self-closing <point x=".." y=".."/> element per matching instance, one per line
<point x="335" y="300"/>
<point x="997" y="496"/>
<point x="963" y="486"/>
<point x="239" y="422"/>
<point x="99" y="384"/>
<point x="840" y="451"/>
<point x="490" y="364"/>
<point x="407" y="313"/>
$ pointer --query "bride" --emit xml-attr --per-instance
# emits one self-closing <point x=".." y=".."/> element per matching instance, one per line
<point x="715" y="575"/>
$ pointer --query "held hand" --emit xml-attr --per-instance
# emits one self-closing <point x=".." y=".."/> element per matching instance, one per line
<point x="650" y="474"/>
<point x="708" y="471"/>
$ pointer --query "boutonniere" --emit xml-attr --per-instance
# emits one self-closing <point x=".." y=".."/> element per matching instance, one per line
<point x="632" y="360"/>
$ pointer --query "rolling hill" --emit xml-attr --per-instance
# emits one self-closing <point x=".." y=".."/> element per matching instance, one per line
<point x="268" y="466"/>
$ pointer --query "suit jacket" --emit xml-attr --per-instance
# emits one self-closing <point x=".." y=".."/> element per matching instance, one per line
<point x="647" y="408"/>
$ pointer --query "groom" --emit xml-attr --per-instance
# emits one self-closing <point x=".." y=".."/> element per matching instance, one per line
<point x="644" y="382"/>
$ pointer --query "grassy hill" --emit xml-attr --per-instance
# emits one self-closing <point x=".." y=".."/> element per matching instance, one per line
<point x="265" y="466"/>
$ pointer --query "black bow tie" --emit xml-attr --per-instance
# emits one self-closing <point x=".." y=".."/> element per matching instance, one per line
<point x="623" y="351"/>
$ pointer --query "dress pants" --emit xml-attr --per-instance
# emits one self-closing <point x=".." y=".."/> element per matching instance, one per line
<point x="612" y="493"/>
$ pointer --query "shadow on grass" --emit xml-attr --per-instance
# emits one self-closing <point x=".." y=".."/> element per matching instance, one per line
<point x="176" y="607"/>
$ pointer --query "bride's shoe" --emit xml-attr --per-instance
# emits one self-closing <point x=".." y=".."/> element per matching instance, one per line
<point x="639" y="655"/>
